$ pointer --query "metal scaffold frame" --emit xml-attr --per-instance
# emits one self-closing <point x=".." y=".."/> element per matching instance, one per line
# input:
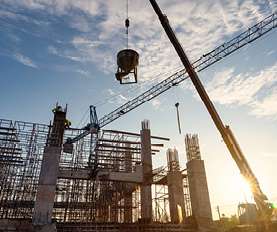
<point x="88" y="199"/>
<point x="21" y="149"/>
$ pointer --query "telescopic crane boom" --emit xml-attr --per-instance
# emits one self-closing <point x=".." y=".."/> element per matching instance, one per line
<point x="225" y="131"/>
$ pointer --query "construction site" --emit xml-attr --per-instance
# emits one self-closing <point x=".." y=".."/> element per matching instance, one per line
<point x="106" y="189"/>
<point x="55" y="177"/>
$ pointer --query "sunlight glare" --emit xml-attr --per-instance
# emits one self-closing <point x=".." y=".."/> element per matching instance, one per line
<point x="243" y="189"/>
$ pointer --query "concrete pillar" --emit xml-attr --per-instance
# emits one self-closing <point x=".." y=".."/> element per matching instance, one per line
<point x="146" y="193"/>
<point x="175" y="188"/>
<point x="199" y="193"/>
<point x="128" y="203"/>
<point x="45" y="196"/>
<point x="198" y="186"/>
<point x="47" y="186"/>
<point x="115" y="195"/>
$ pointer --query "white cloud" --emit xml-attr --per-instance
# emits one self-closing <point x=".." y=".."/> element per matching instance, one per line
<point x="64" y="54"/>
<point x="82" y="41"/>
<point x="59" y="7"/>
<point x="266" y="106"/>
<point x="114" y="97"/>
<point x="156" y="103"/>
<point x="269" y="53"/>
<point x="25" y="60"/>
<point x="122" y="97"/>
<point x="53" y="50"/>
<point x="80" y="23"/>
<point x="83" y="72"/>
<point x="11" y="15"/>
<point x="204" y="25"/>
<point x="111" y="92"/>
<point x="199" y="29"/>
<point x="257" y="90"/>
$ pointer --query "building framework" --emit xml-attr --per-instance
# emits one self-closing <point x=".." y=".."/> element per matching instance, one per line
<point x="109" y="192"/>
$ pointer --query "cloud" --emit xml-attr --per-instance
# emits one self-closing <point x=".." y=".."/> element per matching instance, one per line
<point x="25" y="60"/>
<point x="12" y="15"/>
<point x="53" y="50"/>
<point x="199" y="30"/>
<point x="266" y="106"/>
<point x="59" y="7"/>
<point x="80" y="23"/>
<point x="103" y="32"/>
<point x="100" y="34"/>
<point x="269" y="53"/>
<point x="64" y="54"/>
<point x="258" y="91"/>
<point x="83" y="72"/>
<point x="83" y="41"/>
<point x="156" y="103"/>
<point x="114" y="97"/>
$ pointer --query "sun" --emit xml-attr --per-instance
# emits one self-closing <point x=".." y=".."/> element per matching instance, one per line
<point x="243" y="188"/>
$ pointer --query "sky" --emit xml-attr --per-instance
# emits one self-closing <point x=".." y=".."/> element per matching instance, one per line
<point x="65" y="51"/>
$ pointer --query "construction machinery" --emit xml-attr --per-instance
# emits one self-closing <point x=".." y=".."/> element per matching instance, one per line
<point x="258" y="30"/>
<point x="212" y="57"/>
<point x="264" y="209"/>
<point x="127" y="59"/>
<point x="247" y="213"/>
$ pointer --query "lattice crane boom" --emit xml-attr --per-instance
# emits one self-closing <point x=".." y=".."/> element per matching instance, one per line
<point x="202" y="63"/>
<point x="206" y="60"/>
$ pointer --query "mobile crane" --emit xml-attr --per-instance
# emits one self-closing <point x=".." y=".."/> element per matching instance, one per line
<point x="202" y="63"/>
<point x="225" y="131"/>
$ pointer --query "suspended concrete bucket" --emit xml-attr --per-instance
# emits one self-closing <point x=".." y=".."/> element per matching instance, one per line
<point x="127" y="61"/>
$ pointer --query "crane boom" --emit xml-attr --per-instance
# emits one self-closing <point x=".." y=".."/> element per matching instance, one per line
<point x="202" y="63"/>
<point x="208" y="59"/>
<point x="225" y="131"/>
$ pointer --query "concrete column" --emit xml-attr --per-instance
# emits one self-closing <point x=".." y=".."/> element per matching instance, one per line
<point x="199" y="194"/>
<point x="45" y="196"/>
<point x="47" y="186"/>
<point x="198" y="187"/>
<point x="128" y="203"/>
<point x="176" y="197"/>
<point x="146" y="193"/>
<point x="175" y="188"/>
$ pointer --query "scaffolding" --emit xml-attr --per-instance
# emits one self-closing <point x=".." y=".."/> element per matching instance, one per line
<point x="88" y="198"/>
<point x="21" y="149"/>
<point x="96" y="199"/>
<point x="161" y="198"/>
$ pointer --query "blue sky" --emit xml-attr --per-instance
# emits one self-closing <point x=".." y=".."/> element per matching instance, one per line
<point x="65" y="51"/>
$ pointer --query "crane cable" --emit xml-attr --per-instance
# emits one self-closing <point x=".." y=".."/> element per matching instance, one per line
<point x="127" y="23"/>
